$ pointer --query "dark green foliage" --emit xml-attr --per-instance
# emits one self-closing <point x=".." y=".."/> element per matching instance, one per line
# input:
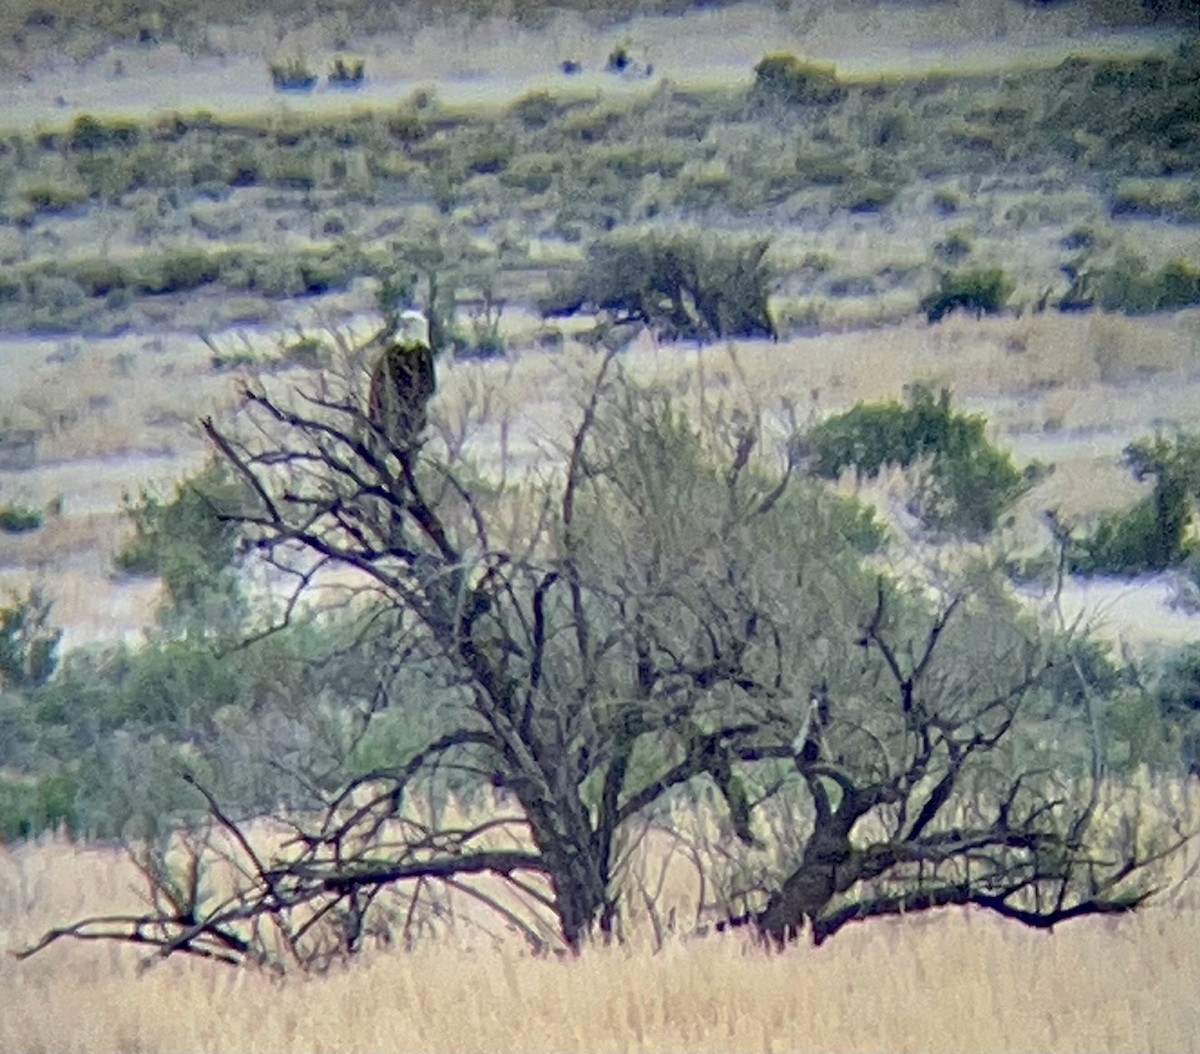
<point x="983" y="291"/>
<point x="29" y="806"/>
<point x="967" y="483"/>
<point x="292" y="75"/>
<point x="481" y="339"/>
<point x="686" y="284"/>
<point x="533" y="174"/>
<point x="308" y="353"/>
<point x="347" y="73"/>
<point x="536" y="110"/>
<point x="90" y="134"/>
<point x="790" y="80"/>
<point x="186" y="542"/>
<point x="177" y="272"/>
<point x="857" y="524"/>
<point x="865" y="196"/>
<point x="17" y="519"/>
<point x="1151" y="536"/>
<point x="28" y="643"/>
<point x="54" y="198"/>
<point x="64" y="286"/>
<point x="955" y="248"/>
<point x="1178" y="689"/>
<point x="1131" y="287"/>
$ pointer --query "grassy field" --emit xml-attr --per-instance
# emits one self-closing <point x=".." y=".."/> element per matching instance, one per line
<point x="949" y="981"/>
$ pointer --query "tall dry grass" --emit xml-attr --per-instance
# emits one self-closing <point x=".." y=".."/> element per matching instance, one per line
<point x="954" y="981"/>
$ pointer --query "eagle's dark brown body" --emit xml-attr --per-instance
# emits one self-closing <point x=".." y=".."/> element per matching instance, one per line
<point x="402" y="383"/>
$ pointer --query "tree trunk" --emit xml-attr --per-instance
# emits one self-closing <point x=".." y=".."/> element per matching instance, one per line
<point x="579" y="877"/>
<point x="805" y="892"/>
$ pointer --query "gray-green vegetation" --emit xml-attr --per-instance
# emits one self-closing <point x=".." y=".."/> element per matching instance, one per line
<point x="18" y="519"/>
<point x="1155" y="534"/>
<point x="683" y="283"/>
<point x="799" y="144"/>
<point x="636" y="643"/>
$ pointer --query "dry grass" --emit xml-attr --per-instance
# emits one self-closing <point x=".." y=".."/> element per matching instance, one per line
<point x="951" y="981"/>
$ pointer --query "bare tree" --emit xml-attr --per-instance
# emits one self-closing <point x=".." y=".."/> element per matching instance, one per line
<point x="678" y="608"/>
<point x="947" y="775"/>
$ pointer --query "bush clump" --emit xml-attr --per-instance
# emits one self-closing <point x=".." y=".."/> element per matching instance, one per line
<point x="187" y="541"/>
<point x="686" y="285"/>
<point x="28" y="642"/>
<point x="347" y="73"/>
<point x="88" y="134"/>
<point x="18" y="519"/>
<point x="54" y="197"/>
<point x="1131" y="287"/>
<point x="967" y="483"/>
<point x="1154" y="534"/>
<point x="791" y="80"/>
<point x="29" y="806"/>
<point x="292" y="74"/>
<point x="984" y="291"/>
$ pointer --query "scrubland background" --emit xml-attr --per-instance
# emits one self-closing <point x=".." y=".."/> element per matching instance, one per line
<point x="168" y="221"/>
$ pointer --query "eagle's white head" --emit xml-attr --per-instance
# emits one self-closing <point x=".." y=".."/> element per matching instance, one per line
<point x="412" y="330"/>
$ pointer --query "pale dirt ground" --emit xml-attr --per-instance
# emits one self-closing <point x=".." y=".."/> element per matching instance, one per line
<point x="119" y="413"/>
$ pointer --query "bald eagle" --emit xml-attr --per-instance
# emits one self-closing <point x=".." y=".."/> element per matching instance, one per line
<point x="402" y="383"/>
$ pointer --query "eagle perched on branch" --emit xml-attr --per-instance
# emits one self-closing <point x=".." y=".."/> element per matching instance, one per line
<point x="402" y="383"/>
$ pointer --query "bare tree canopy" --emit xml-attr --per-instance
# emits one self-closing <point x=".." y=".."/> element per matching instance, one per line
<point x="673" y="606"/>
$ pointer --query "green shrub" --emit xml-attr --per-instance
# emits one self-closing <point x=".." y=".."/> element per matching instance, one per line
<point x="482" y="151"/>
<point x="406" y="126"/>
<point x="1178" y="687"/>
<point x="54" y="197"/>
<point x="632" y="161"/>
<point x="955" y="248"/>
<point x="532" y="173"/>
<point x="1153" y="534"/>
<point x="1176" y="199"/>
<point x="347" y="73"/>
<point x="175" y="271"/>
<point x="18" y="519"/>
<point x="308" y="353"/>
<point x="292" y="74"/>
<point x="30" y="806"/>
<point x="685" y="284"/>
<point x="791" y="80"/>
<point x="28" y="643"/>
<point x="187" y="542"/>
<point x="290" y="171"/>
<point x="535" y="110"/>
<point x="98" y="276"/>
<point x="1132" y="288"/>
<point x="984" y="291"/>
<point x="865" y="195"/>
<point x="483" y="339"/>
<point x="822" y="170"/>
<point x="89" y="134"/>
<point x="966" y="482"/>
<point x="54" y="302"/>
